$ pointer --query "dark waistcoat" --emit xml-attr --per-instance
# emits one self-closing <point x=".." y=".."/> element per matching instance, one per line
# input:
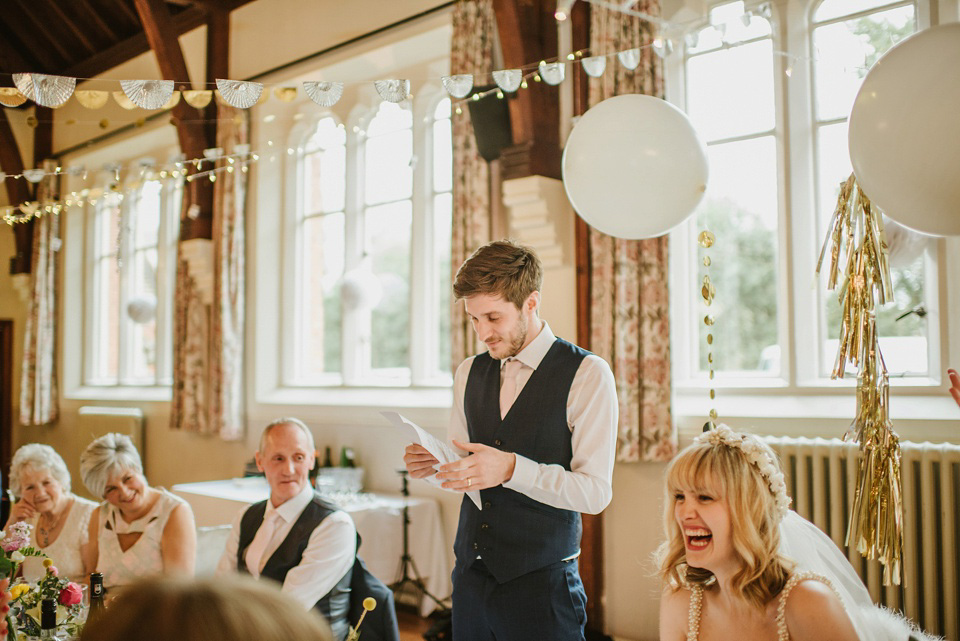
<point x="334" y="605"/>
<point x="515" y="534"/>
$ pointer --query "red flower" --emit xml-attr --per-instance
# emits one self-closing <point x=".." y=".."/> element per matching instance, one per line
<point x="71" y="595"/>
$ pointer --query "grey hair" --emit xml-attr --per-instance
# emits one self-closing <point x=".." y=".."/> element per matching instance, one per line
<point x="286" y="420"/>
<point x="105" y="457"/>
<point x="42" y="458"/>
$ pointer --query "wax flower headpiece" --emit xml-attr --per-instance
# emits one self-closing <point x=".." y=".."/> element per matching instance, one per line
<point x="758" y="456"/>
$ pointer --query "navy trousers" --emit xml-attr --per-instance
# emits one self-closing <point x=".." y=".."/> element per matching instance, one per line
<point x="546" y="605"/>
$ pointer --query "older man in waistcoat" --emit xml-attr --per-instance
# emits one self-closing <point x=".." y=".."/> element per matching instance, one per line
<point x="537" y="418"/>
<point x="295" y="537"/>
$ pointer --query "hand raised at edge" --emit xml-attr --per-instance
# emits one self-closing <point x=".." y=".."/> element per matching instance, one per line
<point x="954" y="385"/>
<point x="484" y="468"/>
<point x="419" y="461"/>
<point x="22" y="510"/>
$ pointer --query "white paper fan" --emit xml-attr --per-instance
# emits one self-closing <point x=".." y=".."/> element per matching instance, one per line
<point x="508" y="79"/>
<point x="148" y="94"/>
<point x="393" y="90"/>
<point x="629" y="58"/>
<point x="594" y="66"/>
<point x="241" y="94"/>
<point x="459" y="85"/>
<point x="325" y="94"/>
<point x="47" y="91"/>
<point x="552" y="73"/>
<point x="34" y="175"/>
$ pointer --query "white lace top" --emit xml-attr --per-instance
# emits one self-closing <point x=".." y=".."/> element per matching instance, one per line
<point x="144" y="557"/>
<point x="65" y="549"/>
<point x="696" y="604"/>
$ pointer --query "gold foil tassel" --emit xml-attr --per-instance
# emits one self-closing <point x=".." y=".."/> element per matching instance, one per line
<point x="860" y="273"/>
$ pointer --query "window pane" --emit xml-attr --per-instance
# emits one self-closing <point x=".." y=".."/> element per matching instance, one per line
<point x="442" y="235"/>
<point x="730" y="92"/>
<point x="318" y="347"/>
<point x="442" y="155"/>
<point x="388" y="175"/>
<point x="443" y="109"/>
<point x="741" y="209"/>
<point x="830" y="9"/>
<point x="146" y="218"/>
<point x="106" y="315"/>
<point x="390" y="117"/>
<point x="833" y="168"/>
<point x="107" y="228"/>
<point x="142" y="323"/>
<point x="388" y="231"/>
<point x="846" y="50"/>
<point x="324" y="169"/>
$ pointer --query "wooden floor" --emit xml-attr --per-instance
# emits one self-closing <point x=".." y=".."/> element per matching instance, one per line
<point x="412" y="626"/>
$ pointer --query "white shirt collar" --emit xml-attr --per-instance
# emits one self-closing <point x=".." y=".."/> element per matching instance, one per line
<point x="291" y="508"/>
<point x="532" y="355"/>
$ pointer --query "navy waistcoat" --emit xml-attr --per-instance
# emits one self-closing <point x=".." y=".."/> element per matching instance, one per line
<point x="515" y="534"/>
<point x="334" y="605"/>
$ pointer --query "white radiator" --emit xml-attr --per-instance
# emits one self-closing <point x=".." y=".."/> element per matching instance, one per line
<point x="94" y="422"/>
<point x="821" y="478"/>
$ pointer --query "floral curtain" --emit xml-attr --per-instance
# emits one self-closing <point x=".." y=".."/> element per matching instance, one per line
<point x="472" y="46"/>
<point x="629" y="304"/>
<point x="38" y="380"/>
<point x="208" y="325"/>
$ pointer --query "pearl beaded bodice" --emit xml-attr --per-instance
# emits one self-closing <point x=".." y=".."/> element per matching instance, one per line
<point x="696" y="605"/>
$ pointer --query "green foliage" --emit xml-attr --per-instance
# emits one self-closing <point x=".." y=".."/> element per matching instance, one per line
<point x="879" y="34"/>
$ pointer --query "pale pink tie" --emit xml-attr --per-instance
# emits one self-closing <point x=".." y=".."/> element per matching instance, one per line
<point x="255" y="553"/>
<point x="508" y="386"/>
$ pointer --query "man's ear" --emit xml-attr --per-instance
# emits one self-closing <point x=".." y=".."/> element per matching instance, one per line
<point x="532" y="303"/>
<point x="259" y="461"/>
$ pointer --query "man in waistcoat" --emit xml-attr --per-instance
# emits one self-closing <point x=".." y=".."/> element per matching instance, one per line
<point x="295" y="537"/>
<point x="537" y="417"/>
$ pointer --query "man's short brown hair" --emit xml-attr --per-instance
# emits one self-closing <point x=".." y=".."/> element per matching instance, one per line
<point x="502" y="267"/>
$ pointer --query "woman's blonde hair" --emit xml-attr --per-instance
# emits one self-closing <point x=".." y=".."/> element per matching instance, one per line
<point x="237" y="608"/>
<point x="41" y="458"/>
<point x="106" y="456"/>
<point x="725" y="472"/>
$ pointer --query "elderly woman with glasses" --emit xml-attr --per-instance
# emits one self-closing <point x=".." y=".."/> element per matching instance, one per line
<point x="41" y="484"/>
<point x="138" y="530"/>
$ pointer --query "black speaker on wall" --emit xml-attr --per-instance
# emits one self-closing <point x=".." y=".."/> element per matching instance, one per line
<point x="491" y="123"/>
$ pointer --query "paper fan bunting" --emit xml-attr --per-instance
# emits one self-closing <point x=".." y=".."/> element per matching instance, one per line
<point x="325" y="94"/>
<point x="594" y="66"/>
<point x="393" y="90"/>
<point x="458" y="86"/>
<point x="123" y="100"/>
<point x="46" y="91"/>
<point x="11" y="97"/>
<point x="92" y="99"/>
<point x="197" y="98"/>
<point x="285" y="94"/>
<point x="629" y="58"/>
<point x="148" y="94"/>
<point x="34" y="175"/>
<point x="508" y="79"/>
<point x="552" y="73"/>
<point x="241" y="94"/>
<point x="173" y="102"/>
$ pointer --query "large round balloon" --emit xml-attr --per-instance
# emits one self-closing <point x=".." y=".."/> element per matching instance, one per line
<point x="633" y="167"/>
<point x="905" y="132"/>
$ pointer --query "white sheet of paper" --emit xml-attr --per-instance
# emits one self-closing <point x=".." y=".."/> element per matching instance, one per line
<point x="440" y="450"/>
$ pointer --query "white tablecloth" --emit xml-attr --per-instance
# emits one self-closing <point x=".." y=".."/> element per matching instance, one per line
<point x="379" y="521"/>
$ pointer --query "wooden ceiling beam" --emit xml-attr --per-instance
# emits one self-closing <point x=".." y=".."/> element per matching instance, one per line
<point x="11" y="59"/>
<point x="218" y="63"/>
<point x="132" y="47"/>
<point x="43" y="60"/>
<point x="40" y="31"/>
<point x="53" y="10"/>
<point x="108" y="32"/>
<point x="17" y="192"/>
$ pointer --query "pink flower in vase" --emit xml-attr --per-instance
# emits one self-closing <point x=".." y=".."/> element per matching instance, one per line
<point x="52" y="569"/>
<point x="71" y="595"/>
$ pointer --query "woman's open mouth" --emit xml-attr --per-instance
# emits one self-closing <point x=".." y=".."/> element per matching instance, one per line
<point x="697" y="538"/>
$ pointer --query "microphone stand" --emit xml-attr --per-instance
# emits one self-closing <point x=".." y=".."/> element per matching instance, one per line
<point x="407" y="573"/>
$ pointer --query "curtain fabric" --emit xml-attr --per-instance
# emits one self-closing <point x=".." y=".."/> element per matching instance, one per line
<point x="208" y="331"/>
<point x="629" y="319"/>
<point x="472" y="46"/>
<point x="38" y="381"/>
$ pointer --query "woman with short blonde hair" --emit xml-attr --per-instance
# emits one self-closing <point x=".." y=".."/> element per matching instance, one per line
<point x="138" y="530"/>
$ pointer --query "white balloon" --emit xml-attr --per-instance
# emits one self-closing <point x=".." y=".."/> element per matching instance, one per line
<point x="360" y="289"/>
<point x="904" y="133"/>
<point x="142" y="309"/>
<point x="633" y="167"/>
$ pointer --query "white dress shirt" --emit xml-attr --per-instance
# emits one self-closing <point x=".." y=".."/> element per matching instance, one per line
<point x="592" y="413"/>
<point x="330" y="551"/>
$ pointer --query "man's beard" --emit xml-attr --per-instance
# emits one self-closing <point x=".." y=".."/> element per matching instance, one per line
<point x="517" y="342"/>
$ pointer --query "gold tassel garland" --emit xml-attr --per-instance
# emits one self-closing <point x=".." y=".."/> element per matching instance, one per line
<point x="858" y="245"/>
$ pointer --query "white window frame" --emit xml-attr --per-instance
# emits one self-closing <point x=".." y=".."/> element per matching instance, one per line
<point x="800" y="392"/>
